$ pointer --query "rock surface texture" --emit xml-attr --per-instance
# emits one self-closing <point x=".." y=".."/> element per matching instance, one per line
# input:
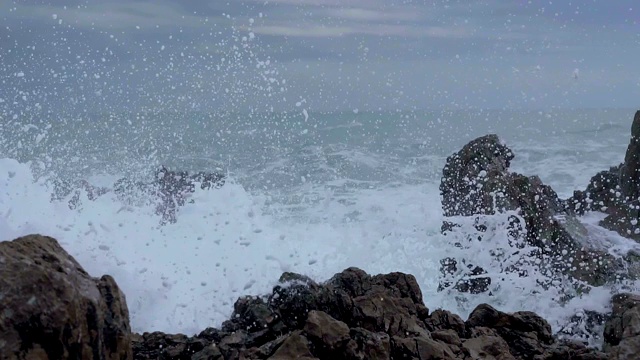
<point x="50" y="308"/>
<point x="357" y="316"/>
<point x="476" y="181"/>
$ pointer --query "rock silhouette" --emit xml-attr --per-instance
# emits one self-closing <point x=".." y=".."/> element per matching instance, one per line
<point x="169" y="190"/>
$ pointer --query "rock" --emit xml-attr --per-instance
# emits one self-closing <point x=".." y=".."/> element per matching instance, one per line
<point x="369" y="345"/>
<point x="295" y="346"/>
<point x="616" y="192"/>
<point x="600" y="194"/>
<point x="526" y="333"/>
<point x="622" y="331"/>
<point x="630" y="170"/>
<point x="210" y="352"/>
<point x="352" y="316"/>
<point x="488" y="347"/>
<point x="420" y="348"/>
<point x="485" y="159"/>
<point x="587" y="326"/>
<point x="445" y="320"/>
<point x="166" y="346"/>
<point x="329" y="334"/>
<point x="544" y="234"/>
<point x="50" y="308"/>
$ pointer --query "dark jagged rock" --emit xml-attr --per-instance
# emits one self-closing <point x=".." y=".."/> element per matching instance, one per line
<point x="476" y="182"/>
<point x="357" y="316"/>
<point x="50" y="308"/>
<point x="616" y="192"/>
<point x="630" y="170"/>
<point x="602" y="193"/>
<point x="622" y="331"/>
<point x="485" y="159"/>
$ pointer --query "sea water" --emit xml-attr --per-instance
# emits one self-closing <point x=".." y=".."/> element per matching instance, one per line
<point x="316" y="197"/>
<point x="307" y="191"/>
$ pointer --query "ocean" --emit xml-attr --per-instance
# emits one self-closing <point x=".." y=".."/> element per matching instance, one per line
<point x="307" y="192"/>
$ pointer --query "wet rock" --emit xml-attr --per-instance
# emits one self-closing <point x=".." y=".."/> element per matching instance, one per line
<point x="50" y="308"/>
<point x="469" y="283"/>
<point x="369" y="345"/>
<point x="296" y="346"/>
<point x="446" y="320"/>
<point x="482" y="163"/>
<point x="211" y="352"/>
<point x="526" y="333"/>
<point x="168" y="190"/>
<point x="586" y="326"/>
<point x="158" y="345"/>
<point x="419" y="348"/>
<point x="545" y="234"/>
<point x="488" y="347"/>
<point x="616" y="192"/>
<point x="622" y="331"/>
<point x="329" y="334"/>
<point x="602" y="193"/>
<point x="630" y="170"/>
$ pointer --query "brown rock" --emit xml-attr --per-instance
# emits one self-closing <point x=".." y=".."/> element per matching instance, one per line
<point x="50" y="308"/>
<point x="326" y="331"/>
<point x="211" y="352"/>
<point x="526" y="333"/>
<point x="296" y="347"/>
<point x="487" y="348"/>
<point x="369" y="345"/>
<point x="445" y="320"/>
<point x="622" y="331"/>
<point x="447" y="336"/>
<point x="630" y="170"/>
<point x="420" y="347"/>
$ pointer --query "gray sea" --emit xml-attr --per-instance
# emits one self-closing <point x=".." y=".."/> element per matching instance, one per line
<point x="307" y="192"/>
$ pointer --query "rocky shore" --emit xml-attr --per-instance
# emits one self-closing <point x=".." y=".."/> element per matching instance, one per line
<point x="51" y="308"/>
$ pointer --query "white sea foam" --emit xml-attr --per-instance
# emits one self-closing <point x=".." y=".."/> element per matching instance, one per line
<point x="185" y="276"/>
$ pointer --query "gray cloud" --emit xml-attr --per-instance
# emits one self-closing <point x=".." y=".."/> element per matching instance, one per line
<point x="337" y="54"/>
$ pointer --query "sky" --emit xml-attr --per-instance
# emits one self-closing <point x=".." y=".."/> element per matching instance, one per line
<point x="321" y="55"/>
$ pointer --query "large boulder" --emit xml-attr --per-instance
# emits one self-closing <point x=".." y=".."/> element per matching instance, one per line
<point x="50" y="308"/>
<point x="476" y="182"/>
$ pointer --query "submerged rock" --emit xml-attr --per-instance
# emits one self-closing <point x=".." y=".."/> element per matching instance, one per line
<point x="169" y="190"/>
<point x="50" y="308"/>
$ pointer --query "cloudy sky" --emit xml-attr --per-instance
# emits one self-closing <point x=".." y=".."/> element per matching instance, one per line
<point x="327" y="55"/>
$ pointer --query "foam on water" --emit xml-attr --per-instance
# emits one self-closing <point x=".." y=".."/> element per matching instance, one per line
<point x="185" y="276"/>
<point x="312" y="193"/>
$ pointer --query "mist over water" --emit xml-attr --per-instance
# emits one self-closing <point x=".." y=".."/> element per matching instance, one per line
<point x="307" y="191"/>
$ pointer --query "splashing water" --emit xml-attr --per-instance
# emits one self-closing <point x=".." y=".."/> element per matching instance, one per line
<point x="306" y="191"/>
